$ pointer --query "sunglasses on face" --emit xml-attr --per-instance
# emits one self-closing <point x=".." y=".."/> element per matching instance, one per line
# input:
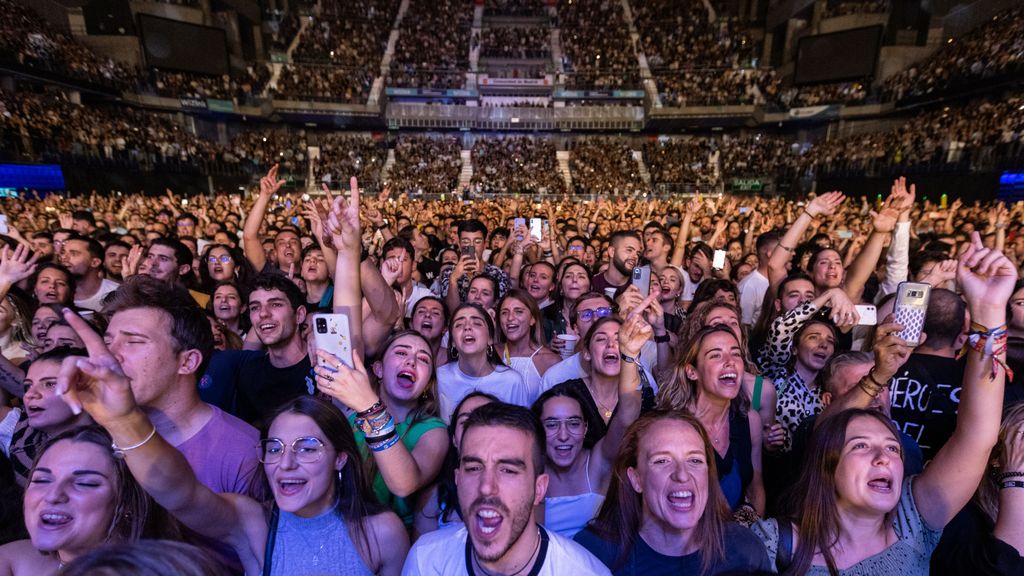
<point x="222" y="259"/>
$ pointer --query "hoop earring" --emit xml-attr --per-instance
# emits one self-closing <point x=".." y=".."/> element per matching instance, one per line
<point x="490" y="351"/>
<point x="453" y="352"/>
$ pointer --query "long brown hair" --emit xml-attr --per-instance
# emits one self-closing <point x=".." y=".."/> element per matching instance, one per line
<point x="681" y="393"/>
<point x="135" y="514"/>
<point x="813" y="499"/>
<point x="537" y="331"/>
<point x="987" y="495"/>
<point x="620" y="517"/>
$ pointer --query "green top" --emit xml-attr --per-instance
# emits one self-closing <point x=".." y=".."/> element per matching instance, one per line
<point x="410" y="433"/>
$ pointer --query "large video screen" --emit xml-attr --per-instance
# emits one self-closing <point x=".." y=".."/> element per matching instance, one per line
<point x="838" y="56"/>
<point x="175" y="45"/>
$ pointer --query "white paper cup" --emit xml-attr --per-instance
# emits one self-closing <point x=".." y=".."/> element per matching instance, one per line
<point x="570" y="344"/>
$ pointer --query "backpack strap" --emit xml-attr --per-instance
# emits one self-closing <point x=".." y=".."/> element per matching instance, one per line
<point x="784" y="553"/>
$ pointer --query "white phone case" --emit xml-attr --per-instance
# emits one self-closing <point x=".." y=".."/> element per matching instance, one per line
<point x="331" y="334"/>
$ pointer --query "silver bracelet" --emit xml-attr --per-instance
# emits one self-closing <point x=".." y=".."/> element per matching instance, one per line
<point x="119" y="452"/>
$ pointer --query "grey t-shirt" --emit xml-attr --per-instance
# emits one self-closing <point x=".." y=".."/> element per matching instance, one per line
<point x="909" y="555"/>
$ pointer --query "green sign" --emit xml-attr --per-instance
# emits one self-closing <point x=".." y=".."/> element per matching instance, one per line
<point x="747" y="184"/>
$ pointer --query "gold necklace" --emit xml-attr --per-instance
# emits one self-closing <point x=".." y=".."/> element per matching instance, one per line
<point x="606" y="412"/>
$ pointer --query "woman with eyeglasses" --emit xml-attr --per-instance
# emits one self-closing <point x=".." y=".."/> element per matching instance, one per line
<point x="579" y="463"/>
<point x="475" y="364"/>
<point x="404" y="400"/>
<point x="221" y="263"/>
<point x="519" y="328"/>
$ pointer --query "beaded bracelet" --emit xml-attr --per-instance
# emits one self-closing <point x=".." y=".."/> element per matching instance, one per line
<point x="1011" y="474"/>
<point x="1012" y="484"/>
<point x="378" y="406"/>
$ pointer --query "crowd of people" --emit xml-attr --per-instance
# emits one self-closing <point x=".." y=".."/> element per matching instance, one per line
<point x="992" y="50"/>
<point x="837" y="8"/>
<point x="242" y="87"/>
<point x="516" y="42"/>
<point x="597" y="51"/>
<point x="605" y="166"/>
<point x="374" y="383"/>
<point x="424" y="58"/>
<point x="49" y="126"/>
<point x="516" y="165"/>
<point x="426" y="165"/>
<point x="324" y="84"/>
<point x="28" y="40"/>
<point x="514" y="7"/>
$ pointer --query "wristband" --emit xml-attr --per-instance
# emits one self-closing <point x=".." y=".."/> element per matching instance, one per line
<point x="1012" y="474"/>
<point x="808" y="214"/>
<point x="629" y="359"/>
<point x="871" y="376"/>
<point x="1011" y="484"/>
<point x="379" y="405"/>
<point x="786" y="248"/>
<point x="663" y="339"/>
<point x="385" y="444"/>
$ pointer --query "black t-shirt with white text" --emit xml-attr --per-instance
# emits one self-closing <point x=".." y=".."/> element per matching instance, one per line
<point x="925" y="396"/>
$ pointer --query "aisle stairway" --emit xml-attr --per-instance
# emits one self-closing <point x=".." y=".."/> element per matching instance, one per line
<point x="388" y="164"/>
<point x="466" y="175"/>
<point x="645" y="174"/>
<point x="389" y="53"/>
<point x="563" y="167"/>
<point x="277" y="67"/>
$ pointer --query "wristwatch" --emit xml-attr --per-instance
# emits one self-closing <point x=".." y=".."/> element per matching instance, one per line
<point x="629" y="359"/>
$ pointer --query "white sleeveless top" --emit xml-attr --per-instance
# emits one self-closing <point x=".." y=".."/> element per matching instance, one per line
<point x="567" y="515"/>
<point x="528" y="370"/>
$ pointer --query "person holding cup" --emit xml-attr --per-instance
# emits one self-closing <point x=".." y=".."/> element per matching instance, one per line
<point x="521" y="334"/>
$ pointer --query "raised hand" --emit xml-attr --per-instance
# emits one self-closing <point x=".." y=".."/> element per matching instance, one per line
<point x="97" y="383"/>
<point x="941" y="273"/>
<point x="825" y="204"/>
<point x="16" y="265"/>
<point x="269" y="184"/>
<point x="391" y="268"/>
<point x="987" y="278"/>
<point x="350" y="386"/>
<point x="343" y="220"/>
<point x="634" y="333"/>
<point x="130" y="264"/>
<point x="65" y="220"/>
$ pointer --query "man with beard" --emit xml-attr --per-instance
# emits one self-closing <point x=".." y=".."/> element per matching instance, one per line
<point x="624" y="250"/>
<point x="83" y="256"/>
<point x="253" y="384"/>
<point x="500" y="481"/>
<point x="171" y="261"/>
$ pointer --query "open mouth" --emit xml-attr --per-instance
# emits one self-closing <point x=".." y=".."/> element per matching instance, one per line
<point x="290" y="486"/>
<point x="823" y="356"/>
<point x="468" y="339"/>
<point x="681" y="500"/>
<point x="563" y="450"/>
<point x="728" y="378"/>
<point x="266" y="328"/>
<point x="610" y="358"/>
<point x="488" y="521"/>
<point x="882" y="485"/>
<point x="406" y="378"/>
<point x="54" y="520"/>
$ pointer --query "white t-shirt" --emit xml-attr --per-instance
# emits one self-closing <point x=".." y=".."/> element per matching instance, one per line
<point x="418" y="291"/>
<point x="443" y="553"/>
<point x="453" y="385"/>
<point x="752" y="289"/>
<point x="689" y="286"/>
<point x="572" y="368"/>
<point x="95" y="302"/>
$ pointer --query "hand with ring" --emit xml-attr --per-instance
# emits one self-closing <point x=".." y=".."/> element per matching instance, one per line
<point x="350" y="386"/>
